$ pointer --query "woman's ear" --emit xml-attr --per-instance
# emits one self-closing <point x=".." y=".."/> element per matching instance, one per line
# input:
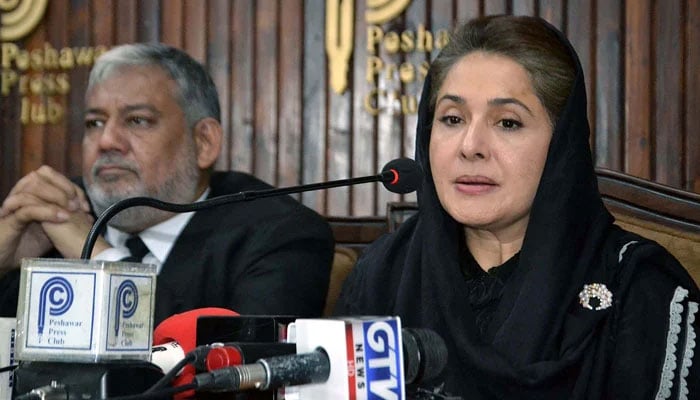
<point x="208" y="136"/>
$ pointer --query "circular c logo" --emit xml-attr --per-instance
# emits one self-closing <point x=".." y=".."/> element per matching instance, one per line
<point x="127" y="302"/>
<point x="19" y="17"/>
<point x="55" y="297"/>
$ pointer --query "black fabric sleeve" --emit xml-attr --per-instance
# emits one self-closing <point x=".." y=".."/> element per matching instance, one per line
<point x="286" y="268"/>
<point x="655" y="339"/>
<point x="9" y="291"/>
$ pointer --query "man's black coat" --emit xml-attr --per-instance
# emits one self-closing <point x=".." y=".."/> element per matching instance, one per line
<point x="265" y="256"/>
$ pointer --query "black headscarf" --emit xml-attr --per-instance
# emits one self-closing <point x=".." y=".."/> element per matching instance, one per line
<point x="544" y="343"/>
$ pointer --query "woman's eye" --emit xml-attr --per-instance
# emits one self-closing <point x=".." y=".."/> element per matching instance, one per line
<point x="510" y="124"/>
<point x="450" y="120"/>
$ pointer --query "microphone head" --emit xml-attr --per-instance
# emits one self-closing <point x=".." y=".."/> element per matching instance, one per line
<point x="402" y="175"/>
<point x="182" y="328"/>
<point x="167" y="355"/>
<point x="425" y="354"/>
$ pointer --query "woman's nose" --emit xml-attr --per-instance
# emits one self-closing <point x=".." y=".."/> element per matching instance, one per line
<point x="475" y="142"/>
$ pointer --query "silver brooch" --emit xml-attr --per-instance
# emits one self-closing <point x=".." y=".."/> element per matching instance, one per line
<point x="595" y="291"/>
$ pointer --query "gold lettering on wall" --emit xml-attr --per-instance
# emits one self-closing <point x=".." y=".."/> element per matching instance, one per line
<point x="391" y="42"/>
<point x="340" y="15"/>
<point x="339" y="47"/>
<point x="19" y="17"/>
<point x="340" y="28"/>
<point x="47" y="111"/>
<point x="40" y="75"/>
<point x="381" y="11"/>
<point x="48" y="57"/>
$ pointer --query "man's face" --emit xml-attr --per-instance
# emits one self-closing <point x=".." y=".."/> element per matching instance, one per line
<point x="137" y="143"/>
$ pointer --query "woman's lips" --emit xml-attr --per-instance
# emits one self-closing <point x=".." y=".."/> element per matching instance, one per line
<point x="475" y="185"/>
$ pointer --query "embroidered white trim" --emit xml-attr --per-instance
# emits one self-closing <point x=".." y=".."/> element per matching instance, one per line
<point x="624" y="249"/>
<point x="674" y="328"/>
<point x="689" y="349"/>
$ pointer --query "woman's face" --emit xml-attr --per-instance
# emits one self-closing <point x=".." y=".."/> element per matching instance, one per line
<point x="488" y="143"/>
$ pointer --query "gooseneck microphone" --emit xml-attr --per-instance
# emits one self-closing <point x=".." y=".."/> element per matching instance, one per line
<point x="402" y="175"/>
<point x="424" y="358"/>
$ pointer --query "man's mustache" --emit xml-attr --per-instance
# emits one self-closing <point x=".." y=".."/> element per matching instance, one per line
<point x="114" y="161"/>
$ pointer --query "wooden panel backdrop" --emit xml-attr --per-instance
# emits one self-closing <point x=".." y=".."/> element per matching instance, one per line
<point x="286" y="124"/>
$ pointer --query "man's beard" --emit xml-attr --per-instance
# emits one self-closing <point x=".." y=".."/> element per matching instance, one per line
<point x="178" y="187"/>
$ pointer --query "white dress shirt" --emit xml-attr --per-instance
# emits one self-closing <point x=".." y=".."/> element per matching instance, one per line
<point x="159" y="239"/>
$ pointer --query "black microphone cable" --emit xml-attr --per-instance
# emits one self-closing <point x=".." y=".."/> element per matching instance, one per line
<point x="170" y="375"/>
<point x="9" y="368"/>
<point x="197" y="357"/>
<point x="402" y="175"/>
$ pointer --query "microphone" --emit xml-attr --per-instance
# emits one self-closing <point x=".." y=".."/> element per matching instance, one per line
<point x="269" y="373"/>
<point x="176" y="351"/>
<point x="424" y="358"/>
<point x="371" y="357"/>
<point x="223" y="355"/>
<point x="425" y="354"/>
<point x="85" y="325"/>
<point x="402" y="175"/>
<point x="215" y="356"/>
<point x="182" y="358"/>
<point x="182" y="327"/>
<point x="167" y="356"/>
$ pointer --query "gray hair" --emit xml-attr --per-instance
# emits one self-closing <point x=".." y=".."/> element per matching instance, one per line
<point x="197" y="93"/>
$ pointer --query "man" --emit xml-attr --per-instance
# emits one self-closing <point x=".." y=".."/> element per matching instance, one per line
<point x="152" y="129"/>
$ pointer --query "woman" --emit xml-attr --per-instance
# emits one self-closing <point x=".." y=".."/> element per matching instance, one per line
<point x="512" y="257"/>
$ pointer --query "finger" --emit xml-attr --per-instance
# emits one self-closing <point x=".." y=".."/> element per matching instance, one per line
<point x="49" y="186"/>
<point x="16" y="201"/>
<point x="82" y="198"/>
<point x="21" y="183"/>
<point x="23" y="199"/>
<point x="61" y="181"/>
<point x="39" y="213"/>
<point x="75" y="194"/>
<point x="30" y="180"/>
